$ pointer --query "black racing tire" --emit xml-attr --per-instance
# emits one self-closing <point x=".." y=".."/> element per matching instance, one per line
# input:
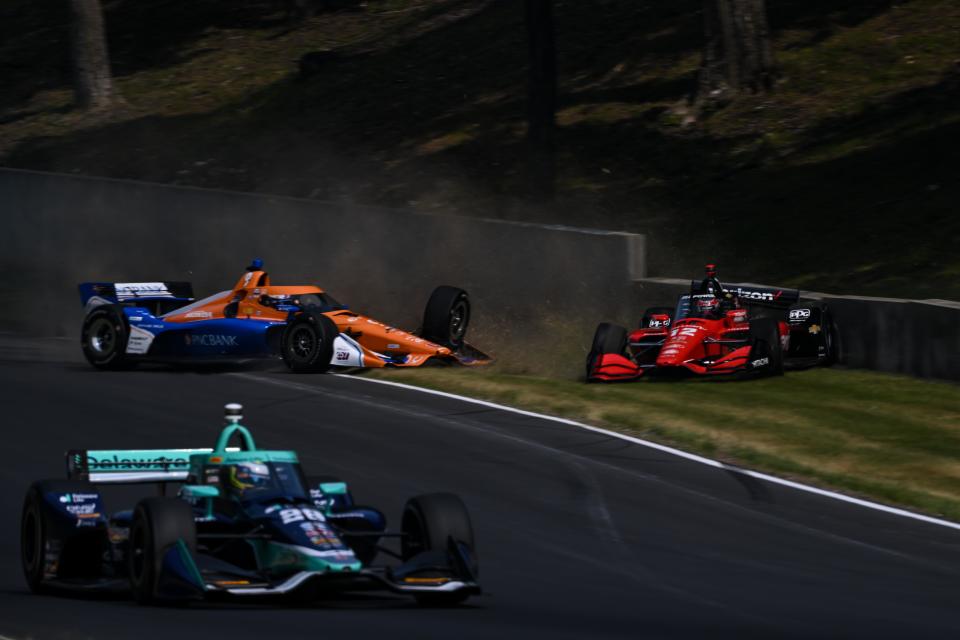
<point x="608" y="338"/>
<point x="447" y="317"/>
<point x="35" y="528"/>
<point x="831" y="337"/>
<point x="428" y="523"/>
<point x="765" y="334"/>
<point x="307" y="343"/>
<point x="103" y="337"/>
<point x="652" y="311"/>
<point x="157" y="524"/>
<point x="430" y="519"/>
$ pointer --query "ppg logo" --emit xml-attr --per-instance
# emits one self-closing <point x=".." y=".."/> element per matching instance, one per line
<point x="799" y="314"/>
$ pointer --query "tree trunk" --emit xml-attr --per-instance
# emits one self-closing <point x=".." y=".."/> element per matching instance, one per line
<point x="541" y="95"/>
<point x="737" y="52"/>
<point x="93" y="84"/>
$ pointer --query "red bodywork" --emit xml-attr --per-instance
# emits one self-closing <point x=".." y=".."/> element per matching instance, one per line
<point x="696" y="345"/>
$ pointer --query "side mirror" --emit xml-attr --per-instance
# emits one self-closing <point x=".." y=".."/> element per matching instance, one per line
<point x="199" y="491"/>
<point x="328" y="493"/>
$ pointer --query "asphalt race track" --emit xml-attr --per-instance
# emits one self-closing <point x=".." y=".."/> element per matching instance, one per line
<point x="580" y="535"/>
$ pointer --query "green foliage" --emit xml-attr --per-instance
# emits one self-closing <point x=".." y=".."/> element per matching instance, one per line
<point x="841" y="180"/>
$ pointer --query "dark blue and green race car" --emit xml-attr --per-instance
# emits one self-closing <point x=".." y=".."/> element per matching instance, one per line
<point x="246" y="522"/>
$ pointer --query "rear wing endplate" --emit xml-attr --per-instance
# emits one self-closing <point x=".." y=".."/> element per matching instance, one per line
<point x="132" y="465"/>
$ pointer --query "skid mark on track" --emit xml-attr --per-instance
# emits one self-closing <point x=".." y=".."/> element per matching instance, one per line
<point x="596" y="506"/>
<point x="629" y="563"/>
<point x="465" y="413"/>
<point x="758" y="491"/>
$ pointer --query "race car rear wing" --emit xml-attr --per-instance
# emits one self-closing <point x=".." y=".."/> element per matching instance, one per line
<point x="754" y="293"/>
<point x="131" y="466"/>
<point x="95" y="293"/>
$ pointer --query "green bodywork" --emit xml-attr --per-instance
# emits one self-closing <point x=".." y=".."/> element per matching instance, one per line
<point x="334" y="488"/>
<point x="283" y="559"/>
<point x="179" y="461"/>
<point x="274" y="557"/>
<point x="247" y="452"/>
<point x="189" y="465"/>
<point x="187" y="559"/>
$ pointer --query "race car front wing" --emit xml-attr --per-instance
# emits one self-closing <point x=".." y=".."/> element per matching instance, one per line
<point x="365" y="577"/>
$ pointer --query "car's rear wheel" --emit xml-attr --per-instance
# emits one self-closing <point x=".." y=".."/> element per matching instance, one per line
<point x="158" y="523"/>
<point x="33" y="542"/>
<point x="429" y="523"/>
<point x="447" y="316"/>
<point x="79" y="556"/>
<point x="104" y="337"/>
<point x="307" y="343"/>
<point x="831" y="337"/>
<point x="766" y="354"/>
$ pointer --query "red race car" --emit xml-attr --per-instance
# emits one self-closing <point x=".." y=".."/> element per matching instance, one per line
<point x="714" y="330"/>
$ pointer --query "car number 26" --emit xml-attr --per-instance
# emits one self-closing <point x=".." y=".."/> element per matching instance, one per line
<point x="297" y="515"/>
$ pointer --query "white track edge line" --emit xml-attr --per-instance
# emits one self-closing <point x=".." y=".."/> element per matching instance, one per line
<point x="676" y="452"/>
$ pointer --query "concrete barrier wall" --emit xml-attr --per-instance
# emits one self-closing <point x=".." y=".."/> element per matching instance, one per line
<point x="900" y="336"/>
<point x="538" y="290"/>
<point x="528" y="282"/>
<point x="915" y="337"/>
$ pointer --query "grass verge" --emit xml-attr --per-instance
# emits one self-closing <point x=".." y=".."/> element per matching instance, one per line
<point x="889" y="438"/>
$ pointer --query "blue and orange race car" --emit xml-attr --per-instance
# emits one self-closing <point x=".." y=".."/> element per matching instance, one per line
<point x="131" y="322"/>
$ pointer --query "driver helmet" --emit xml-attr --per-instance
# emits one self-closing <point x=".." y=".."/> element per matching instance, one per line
<point x="708" y="307"/>
<point x="244" y="477"/>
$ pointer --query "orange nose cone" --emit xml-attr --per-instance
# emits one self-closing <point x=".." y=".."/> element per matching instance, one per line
<point x="443" y="351"/>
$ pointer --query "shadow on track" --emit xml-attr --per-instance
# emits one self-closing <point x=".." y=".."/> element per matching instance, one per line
<point x="318" y="600"/>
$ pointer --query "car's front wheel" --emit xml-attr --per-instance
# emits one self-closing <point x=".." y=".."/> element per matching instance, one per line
<point x="608" y="338"/>
<point x="447" y="316"/>
<point x="430" y="522"/>
<point x="158" y="524"/>
<point x="307" y="343"/>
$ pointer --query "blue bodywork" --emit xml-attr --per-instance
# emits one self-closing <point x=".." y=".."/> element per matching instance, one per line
<point x="215" y="338"/>
<point x="152" y="337"/>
